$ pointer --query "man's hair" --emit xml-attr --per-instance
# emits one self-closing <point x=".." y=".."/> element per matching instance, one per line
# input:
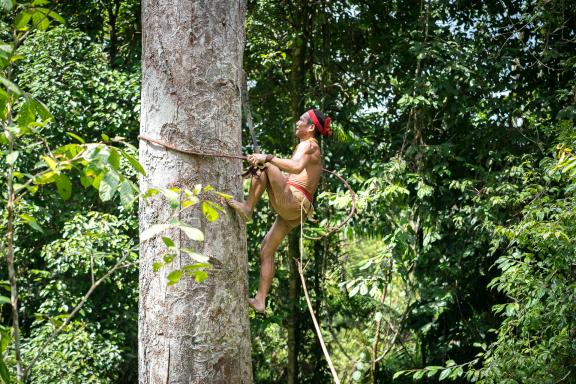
<point x="321" y="119"/>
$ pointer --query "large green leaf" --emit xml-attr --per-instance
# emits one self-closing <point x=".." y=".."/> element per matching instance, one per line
<point x="137" y="166"/>
<point x="7" y="5"/>
<point x="108" y="185"/>
<point x="174" y="277"/>
<point x="22" y="20"/>
<point x="10" y="86"/>
<point x="209" y="212"/>
<point x="63" y="186"/>
<point x="127" y="193"/>
<point x="4" y="373"/>
<point x="12" y="157"/>
<point x="154" y="230"/>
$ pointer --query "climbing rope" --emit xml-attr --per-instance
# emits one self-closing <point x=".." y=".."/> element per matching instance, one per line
<point x="307" y="296"/>
<point x="251" y="170"/>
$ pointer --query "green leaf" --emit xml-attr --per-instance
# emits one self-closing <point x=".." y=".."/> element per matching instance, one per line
<point x="398" y="374"/>
<point x="114" y="159"/>
<point x="192" y="267"/>
<point x="10" y="86"/>
<point x="5" y="333"/>
<point x="192" y="233"/>
<point x="56" y="17"/>
<point x="174" y="277"/>
<point x="173" y="197"/>
<point x="4" y="300"/>
<point x="50" y="162"/>
<point x="157" y="265"/>
<point x="209" y="212"/>
<point x="40" y="108"/>
<point x="22" y="20"/>
<point x="76" y="137"/>
<point x="200" y="276"/>
<point x="188" y="203"/>
<point x="354" y="291"/>
<point x="445" y="373"/>
<point x="224" y="195"/>
<point x="39" y="19"/>
<point x="153" y="231"/>
<point x="26" y="114"/>
<point x="4" y="373"/>
<point x="168" y="241"/>
<point x="105" y="137"/>
<point x="196" y="256"/>
<point x="127" y="193"/>
<point x="135" y="164"/>
<point x="45" y="178"/>
<point x="150" y="192"/>
<point x="64" y="186"/>
<point x="419" y="374"/>
<point x="109" y="185"/>
<point x="31" y="222"/>
<point x="11" y="157"/>
<point x="7" y="5"/>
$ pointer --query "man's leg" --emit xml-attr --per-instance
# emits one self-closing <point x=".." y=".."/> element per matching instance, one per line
<point x="271" y="241"/>
<point x="258" y="185"/>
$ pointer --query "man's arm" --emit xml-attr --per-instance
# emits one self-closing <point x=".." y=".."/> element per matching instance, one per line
<point x="300" y="159"/>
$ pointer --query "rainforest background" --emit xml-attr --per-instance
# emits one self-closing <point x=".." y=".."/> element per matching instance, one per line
<point x="453" y="122"/>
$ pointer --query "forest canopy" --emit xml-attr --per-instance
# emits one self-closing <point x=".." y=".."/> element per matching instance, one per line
<point x="453" y="122"/>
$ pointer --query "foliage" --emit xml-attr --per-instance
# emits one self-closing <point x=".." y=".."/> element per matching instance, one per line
<point x="82" y="354"/>
<point x="459" y="265"/>
<point x="85" y="96"/>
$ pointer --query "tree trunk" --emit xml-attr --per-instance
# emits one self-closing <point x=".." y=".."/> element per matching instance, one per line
<point x="293" y="319"/>
<point x="113" y="12"/>
<point x="191" y="76"/>
<point x="297" y="85"/>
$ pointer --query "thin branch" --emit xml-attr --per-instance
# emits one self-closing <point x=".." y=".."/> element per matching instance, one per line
<point x="119" y="265"/>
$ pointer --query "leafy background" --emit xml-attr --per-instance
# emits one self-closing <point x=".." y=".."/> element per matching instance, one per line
<point x="454" y="123"/>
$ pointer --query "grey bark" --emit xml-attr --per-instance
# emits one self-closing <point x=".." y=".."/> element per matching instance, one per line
<point x="191" y="77"/>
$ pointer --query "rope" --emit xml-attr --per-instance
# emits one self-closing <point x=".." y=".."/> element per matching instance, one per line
<point x="309" y="303"/>
<point x="231" y="156"/>
<point x="188" y="151"/>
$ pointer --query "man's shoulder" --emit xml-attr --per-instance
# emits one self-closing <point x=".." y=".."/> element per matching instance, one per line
<point x="309" y="146"/>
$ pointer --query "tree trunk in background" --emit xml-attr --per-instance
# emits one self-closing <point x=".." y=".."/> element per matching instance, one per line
<point x="299" y="18"/>
<point x="293" y="319"/>
<point x="192" y="59"/>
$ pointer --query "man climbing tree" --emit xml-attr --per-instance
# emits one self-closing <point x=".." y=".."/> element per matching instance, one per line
<point x="189" y="331"/>
<point x="290" y="197"/>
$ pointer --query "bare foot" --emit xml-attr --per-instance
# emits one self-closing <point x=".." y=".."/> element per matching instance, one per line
<point x="241" y="209"/>
<point x="257" y="306"/>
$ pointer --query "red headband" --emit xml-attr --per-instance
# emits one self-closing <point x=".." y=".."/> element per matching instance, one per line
<point x="324" y="130"/>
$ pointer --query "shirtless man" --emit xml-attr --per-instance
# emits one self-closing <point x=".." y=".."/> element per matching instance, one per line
<point x="289" y="196"/>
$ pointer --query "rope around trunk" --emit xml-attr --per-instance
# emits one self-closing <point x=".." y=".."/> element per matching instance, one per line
<point x="231" y="156"/>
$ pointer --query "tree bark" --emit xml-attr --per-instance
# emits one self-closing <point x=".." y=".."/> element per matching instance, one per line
<point x="192" y="60"/>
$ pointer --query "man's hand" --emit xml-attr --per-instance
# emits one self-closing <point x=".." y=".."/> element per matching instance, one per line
<point x="256" y="159"/>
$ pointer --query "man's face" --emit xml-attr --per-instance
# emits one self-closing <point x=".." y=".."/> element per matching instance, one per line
<point x="303" y="124"/>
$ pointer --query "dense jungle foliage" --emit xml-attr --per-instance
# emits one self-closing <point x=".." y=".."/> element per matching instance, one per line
<point x="454" y="124"/>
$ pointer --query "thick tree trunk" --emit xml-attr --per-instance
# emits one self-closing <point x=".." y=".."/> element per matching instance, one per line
<point x="192" y="59"/>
